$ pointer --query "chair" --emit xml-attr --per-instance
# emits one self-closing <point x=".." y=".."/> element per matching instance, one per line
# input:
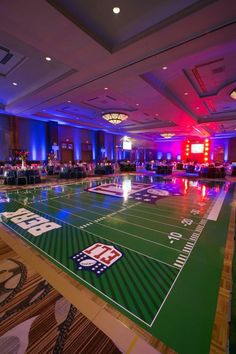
<point x="21" y="177"/>
<point x="50" y="170"/>
<point x="33" y="177"/>
<point x="64" y="173"/>
<point x="10" y="177"/>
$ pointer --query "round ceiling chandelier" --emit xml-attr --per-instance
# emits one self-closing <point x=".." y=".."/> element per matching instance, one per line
<point x="167" y="135"/>
<point x="115" y="117"/>
<point x="233" y="94"/>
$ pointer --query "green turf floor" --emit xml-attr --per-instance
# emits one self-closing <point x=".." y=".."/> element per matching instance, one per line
<point x="168" y="276"/>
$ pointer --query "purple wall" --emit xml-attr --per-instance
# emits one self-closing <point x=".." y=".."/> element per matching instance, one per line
<point x="109" y="146"/>
<point x="5" y="138"/>
<point x="32" y="136"/>
<point x="219" y="150"/>
<point x="169" y="150"/>
<point x="77" y="136"/>
<point x="232" y="149"/>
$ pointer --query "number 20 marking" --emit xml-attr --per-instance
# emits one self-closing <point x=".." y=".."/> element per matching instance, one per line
<point x="187" y="222"/>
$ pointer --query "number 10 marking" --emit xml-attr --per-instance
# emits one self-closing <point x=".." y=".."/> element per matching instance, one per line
<point x="174" y="236"/>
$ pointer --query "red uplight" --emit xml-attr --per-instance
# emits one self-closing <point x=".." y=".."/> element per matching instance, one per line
<point x="203" y="191"/>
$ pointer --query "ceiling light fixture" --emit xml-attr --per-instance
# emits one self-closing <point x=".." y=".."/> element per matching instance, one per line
<point x="233" y="94"/>
<point x="115" y="117"/>
<point x="197" y="130"/>
<point x="105" y="88"/>
<point x="48" y="59"/>
<point x="14" y="83"/>
<point x="68" y="101"/>
<point x="164" y="68"/>
<point x="116" y="10"/>
<point x="167" y="135"/>
<point x="186" y="93"/>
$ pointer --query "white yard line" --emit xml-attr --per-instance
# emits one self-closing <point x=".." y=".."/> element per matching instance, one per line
<point x="113" y="228"/>
<point x="123" y="210"/>
<point x="102" y="237"/>
<point x="180" y="261"/>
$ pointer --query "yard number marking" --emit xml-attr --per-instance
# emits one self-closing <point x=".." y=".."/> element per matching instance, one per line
<point x="186" y="222"/>
<point x="195" y="211"/>
<point x="174" y="236"/>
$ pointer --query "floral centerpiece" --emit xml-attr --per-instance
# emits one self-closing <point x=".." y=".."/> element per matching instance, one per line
<point x="23" y="157"/>
<point x="51" y="158"/>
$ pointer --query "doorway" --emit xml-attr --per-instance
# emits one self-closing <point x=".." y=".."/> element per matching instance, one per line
<point x="67" y="152"/>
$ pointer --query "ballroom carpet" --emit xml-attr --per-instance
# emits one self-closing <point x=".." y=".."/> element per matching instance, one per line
<point x="35" y="318"/>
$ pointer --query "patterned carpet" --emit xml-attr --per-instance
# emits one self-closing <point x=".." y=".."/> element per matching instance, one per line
<point x="35" y="318"/>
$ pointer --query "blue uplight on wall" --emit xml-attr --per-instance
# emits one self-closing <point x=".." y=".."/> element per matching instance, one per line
<point x="226" y="153"/>
<point x="77" y="151"/>
<point x="159" y="155"/>
<point x="33" y="152"/>
<point x="94" y="145"/>
<point x="168" y="156"/>
<point x="178" y="157"/>
<point x="33" y="138"/>
<point x="145" y="154"/>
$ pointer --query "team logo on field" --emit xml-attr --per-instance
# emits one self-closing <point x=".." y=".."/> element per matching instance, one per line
<point x="156" y="192"/>
<point x="141" y="192"/>
<point x="126" y="188"/>
<point x="97" y="258"/>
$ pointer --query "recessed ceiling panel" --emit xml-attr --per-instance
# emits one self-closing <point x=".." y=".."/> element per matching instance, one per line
<point x="136" y="19"/>
<point x="24" y="69"/>
<point x="9" y="60"/>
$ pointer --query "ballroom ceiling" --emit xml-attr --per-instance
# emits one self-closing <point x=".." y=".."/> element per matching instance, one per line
<point x="169" y="65"/>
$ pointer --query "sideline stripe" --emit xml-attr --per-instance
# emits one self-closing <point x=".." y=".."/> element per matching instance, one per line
<point x="214" y="213"/>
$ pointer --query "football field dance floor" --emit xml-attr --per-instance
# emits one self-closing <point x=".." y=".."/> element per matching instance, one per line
<point x="153" y="249"/>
